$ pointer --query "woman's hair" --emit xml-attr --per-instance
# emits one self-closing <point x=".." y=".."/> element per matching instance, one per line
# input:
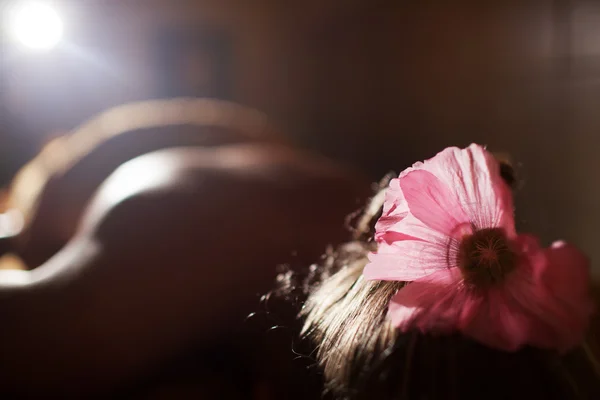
<point x="362" y="356"/>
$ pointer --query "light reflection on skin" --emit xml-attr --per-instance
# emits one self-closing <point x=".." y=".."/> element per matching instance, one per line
<point x="141" y="175"/>
<point x="14" y="277"/>
<point x="11" y="223"/>
<point x="137" y="282"/>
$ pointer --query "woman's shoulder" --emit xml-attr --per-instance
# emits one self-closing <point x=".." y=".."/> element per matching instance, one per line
<point x="248" y="177"/>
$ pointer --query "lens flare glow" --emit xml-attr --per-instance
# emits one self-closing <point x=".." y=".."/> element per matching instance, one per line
<point x="35" y="25"/>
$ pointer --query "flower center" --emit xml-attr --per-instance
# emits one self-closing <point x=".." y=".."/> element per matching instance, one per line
<point x="485" y="257"/>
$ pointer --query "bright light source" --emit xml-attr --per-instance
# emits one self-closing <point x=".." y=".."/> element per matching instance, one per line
<point x="35" y="25"/>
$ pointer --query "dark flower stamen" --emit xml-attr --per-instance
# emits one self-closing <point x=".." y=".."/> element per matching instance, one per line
<point x="485" y="257"/>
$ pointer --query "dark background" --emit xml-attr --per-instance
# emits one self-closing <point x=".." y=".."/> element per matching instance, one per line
<point x="378" y="84"/>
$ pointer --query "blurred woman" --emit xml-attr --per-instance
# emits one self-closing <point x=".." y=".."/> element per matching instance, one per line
<point x="168" y="255"/>
<point x="52" y="191"/>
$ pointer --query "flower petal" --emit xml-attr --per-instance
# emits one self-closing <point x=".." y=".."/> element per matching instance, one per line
<point x="545" y="302"/>
<point x="394" y="199"/>
<point x="547" y="296"/>
<point x="568" y="275"/>
<point x="474" y="176"/>
<point x="434" y="302"/>
<point x="442" y="303"/>
<point x="432" y="202"/>
<point x="405" y="261"/>
<point x="566" y="278"/>
<point x="496" y="320"/>
<point x="395" y="209"/>
<point x="409" y="228"/>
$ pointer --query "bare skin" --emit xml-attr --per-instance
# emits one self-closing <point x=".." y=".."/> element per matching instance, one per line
<point x="174" y="250"/>
<point x="54" y="189"/>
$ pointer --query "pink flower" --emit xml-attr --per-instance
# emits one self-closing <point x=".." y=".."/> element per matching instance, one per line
<point x="448" y="228"/>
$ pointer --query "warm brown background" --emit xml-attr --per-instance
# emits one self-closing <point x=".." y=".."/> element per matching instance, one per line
<point x="375" y="83"/>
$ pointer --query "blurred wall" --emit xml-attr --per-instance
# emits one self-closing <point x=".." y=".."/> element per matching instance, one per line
<point x="109" y="56"/>
<point x="378" y="83"/>
<point x="110" y="51"/>
<point x="418" y="76"/>
<point x="583" y="124"/>
<point x="397" y="81"/>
